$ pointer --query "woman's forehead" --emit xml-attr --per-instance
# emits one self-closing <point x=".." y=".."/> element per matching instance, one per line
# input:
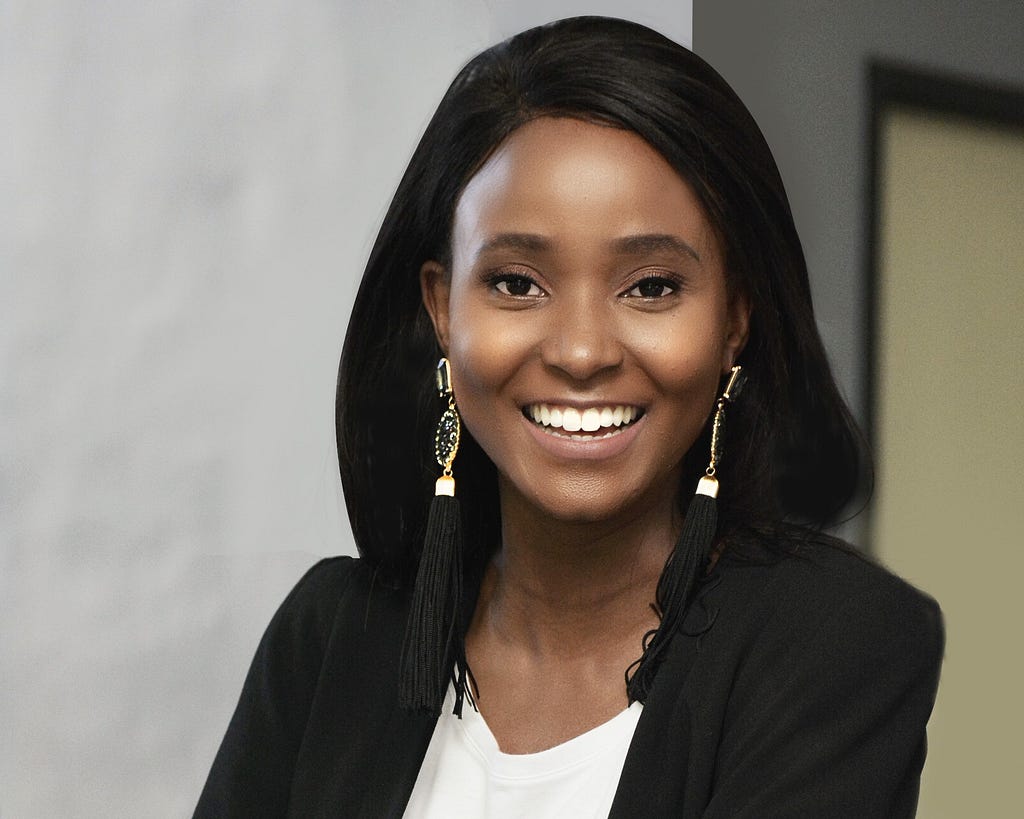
<point x="561" y="176"/>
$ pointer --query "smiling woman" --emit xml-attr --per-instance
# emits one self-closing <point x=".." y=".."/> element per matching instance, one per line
<point x="593" y="237"/>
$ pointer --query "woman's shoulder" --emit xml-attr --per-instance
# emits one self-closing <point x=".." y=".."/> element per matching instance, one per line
<point x="322" y="654"/>
<point x="339" y="613"/>
<point x="335" y="583"/>
<point x="819" y="587"/>
<point x="812" y="685"/>
<point x="320" y="588"/>
<point x="329" y="576"/>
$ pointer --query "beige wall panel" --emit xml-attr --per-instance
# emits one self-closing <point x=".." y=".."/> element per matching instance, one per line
<point x="949" y="508"/>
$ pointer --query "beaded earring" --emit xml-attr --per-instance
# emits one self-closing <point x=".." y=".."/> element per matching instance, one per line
<point x="427" y="661"/>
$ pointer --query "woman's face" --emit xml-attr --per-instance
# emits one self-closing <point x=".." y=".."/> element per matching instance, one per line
<point x="586" y="318"/>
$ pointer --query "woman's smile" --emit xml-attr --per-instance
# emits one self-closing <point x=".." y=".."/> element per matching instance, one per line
<point x="586" y="316"/>
<point x="559" y="419"/>
<point x="591" y="433"/>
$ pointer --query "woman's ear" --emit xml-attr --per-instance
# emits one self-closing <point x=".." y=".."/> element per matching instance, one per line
<point x="737" y="330"/>
<point x="435" y="288"/>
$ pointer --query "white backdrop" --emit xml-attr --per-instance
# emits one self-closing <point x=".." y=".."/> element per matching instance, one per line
<point x="189" y="191"/>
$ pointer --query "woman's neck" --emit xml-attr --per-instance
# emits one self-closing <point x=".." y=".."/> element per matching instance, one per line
<point x="556" y="584"/>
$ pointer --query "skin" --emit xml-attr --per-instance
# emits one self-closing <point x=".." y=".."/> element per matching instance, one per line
<point x="584" y="273"/>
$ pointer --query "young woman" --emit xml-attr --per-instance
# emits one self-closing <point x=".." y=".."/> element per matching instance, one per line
<point x="629" y="610"/>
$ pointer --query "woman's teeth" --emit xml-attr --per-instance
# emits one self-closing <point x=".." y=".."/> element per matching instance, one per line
<point x="592" y="419"/>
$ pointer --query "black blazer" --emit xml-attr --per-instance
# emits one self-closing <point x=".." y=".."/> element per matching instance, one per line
<point x="798" y="687"/>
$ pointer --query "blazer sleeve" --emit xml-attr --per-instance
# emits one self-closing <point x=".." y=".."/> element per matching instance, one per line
<point x="827" y="714"/>
<point x="252" y="772"/>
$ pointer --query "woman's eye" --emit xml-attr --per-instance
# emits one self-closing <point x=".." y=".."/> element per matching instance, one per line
<point x="655" y="287"/>
<point x="517" y="286"/>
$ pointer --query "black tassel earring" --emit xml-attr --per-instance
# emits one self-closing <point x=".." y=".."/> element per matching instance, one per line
<point x="428" y="660"/>
<point x="690" y="555"/>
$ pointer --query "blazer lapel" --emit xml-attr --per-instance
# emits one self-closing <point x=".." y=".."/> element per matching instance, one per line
<point x="403" y="744"/>
<point x="653" y="779"/>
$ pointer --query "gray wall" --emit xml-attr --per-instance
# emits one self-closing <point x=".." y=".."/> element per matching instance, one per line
<point x="189" y="191"/>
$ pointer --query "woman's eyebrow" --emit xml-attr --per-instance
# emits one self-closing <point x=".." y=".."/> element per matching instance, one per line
<point x="515" y="241"/>
<point x="628" y="245"/>
<point x="653" y="242"/>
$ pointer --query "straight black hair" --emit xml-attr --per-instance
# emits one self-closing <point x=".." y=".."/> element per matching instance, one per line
<point x="794" y="453"/>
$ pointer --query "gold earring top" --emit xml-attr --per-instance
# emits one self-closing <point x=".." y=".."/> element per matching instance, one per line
<point x="736" y="381"/>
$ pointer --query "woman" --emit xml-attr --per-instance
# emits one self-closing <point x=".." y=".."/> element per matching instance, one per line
<point x="593" y="238"/>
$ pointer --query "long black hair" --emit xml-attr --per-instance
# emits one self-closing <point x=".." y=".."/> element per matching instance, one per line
<point x="792" y="449"/>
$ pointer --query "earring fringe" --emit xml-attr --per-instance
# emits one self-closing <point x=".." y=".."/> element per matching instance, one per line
<point x="437" y="595"/>
<point x="676" y="585"/>
<point x="689" y="557"/>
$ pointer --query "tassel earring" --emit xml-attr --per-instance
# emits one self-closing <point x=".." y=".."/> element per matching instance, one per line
<point x="690" y="554"/>
<point x="427" y="656"/>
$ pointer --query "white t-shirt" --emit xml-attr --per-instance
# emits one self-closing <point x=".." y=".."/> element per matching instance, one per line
<point x="464" y="774"/>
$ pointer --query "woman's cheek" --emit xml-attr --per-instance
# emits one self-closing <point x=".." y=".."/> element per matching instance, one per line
<point x="487" y="344"/>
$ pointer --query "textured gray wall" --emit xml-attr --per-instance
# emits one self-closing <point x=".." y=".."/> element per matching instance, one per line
<point x="189" y="190"/>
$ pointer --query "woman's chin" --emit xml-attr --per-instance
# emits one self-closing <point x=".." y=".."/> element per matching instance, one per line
<point x="588" y="500"/>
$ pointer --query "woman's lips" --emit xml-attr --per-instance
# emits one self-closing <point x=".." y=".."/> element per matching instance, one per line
<point x="592" y="432"/>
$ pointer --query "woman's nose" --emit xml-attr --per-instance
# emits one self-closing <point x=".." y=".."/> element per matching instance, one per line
<point x="581" y="342"/>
